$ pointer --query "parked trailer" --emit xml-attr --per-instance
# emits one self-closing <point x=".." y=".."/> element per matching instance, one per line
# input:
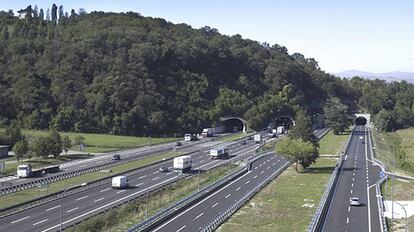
<point x="219" y="153"/>
<point x="182" y="163"/>
<point x="26" y="170"/>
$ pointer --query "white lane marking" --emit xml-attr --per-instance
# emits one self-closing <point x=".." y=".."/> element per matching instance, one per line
<point x="53" y="208"/>
<point x="139" y="184"/>
<point x="110" y="203"/>
<point x="142" y="177"/>
<point x="238" y="189"/>
<point x="349" y="208"/>
<point x="228" y="195"/>
<point x="201" y="161"/>
<point x="120" y="191"/>
<point x="255" y="168"/>
<point x="72" y="209"/>
<point x="353" y="179"/>
<point x="347" y="220"/>
<point x="214" y="205"/>
<point x="346" y="156"/>
<point x="155" y="172"/>
<point x="268" y="167"/>
<point x="247" y="182"/>
<point x="21" y="219"/>
<point x="37" y="223"/>
<point x="200" y="202"/>
<point x="255" y="177"/>
<point x="369" y="207"/>
<point x="201" y="214"/>
<point x="104" y="190"/>
<point x="261" y="172"/>
<point x="181" y="229"/>
<point x="80" y="198"/>
<point x="351" y="191"/>
<point x="155" y="178"/>
<point x="100" y="199"/>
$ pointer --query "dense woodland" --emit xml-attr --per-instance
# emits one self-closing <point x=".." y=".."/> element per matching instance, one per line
<point x="122" y="73"/>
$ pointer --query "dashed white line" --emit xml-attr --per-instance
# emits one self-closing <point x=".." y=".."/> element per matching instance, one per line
<point x="247" y="182"/>
<point x="201" y="214"/>
<point x="255" y="177"/>
<point x="100" y="199"/>
<point x="347" y="220"/>
<point x="21" y="219"/>
<point x="214" y="205"/>
<point x="121" y="191"/>
<point x="104" y="190"/>
<point x="181" y="229"/>
<point x="349" y="208"/>
<point x="237" y="189"/>
<point x="228" y="195"/>
<point x="261" y="172"/>
<point x="142" y="177"/>
<point x="155" y="178"/>
<point x="53" y="208"/>
<point x="268" y="167"/>
<point x="255" y="168"/>
<point x="80" y="198"/>
<point x="139" y="184"/>
<point x="37" y="223"/>
<point x="72" y="209"/>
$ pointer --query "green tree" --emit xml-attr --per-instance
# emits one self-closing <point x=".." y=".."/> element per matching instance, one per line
<point x="20" y="149"/>
<point x="39" y="147"/>
<point x="66" y="143"/>
<point x="384" y="120"/>
<point x="54" y="13"/>
<point x="336" y="115"/>
<point x="296" y="150"/>
<point x="14" y="134"/>
<point x="79" y="139"/>
<point x="55" y="143"/>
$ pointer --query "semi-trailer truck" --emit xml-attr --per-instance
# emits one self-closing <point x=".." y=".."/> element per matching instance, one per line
<point x="26" y="170"/>
<point x="207" y="132"/>
<point x="182" y="163"/>
<point x="219" y="153"/>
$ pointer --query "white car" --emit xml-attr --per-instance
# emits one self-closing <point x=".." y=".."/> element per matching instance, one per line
<point x="355" y="201"/>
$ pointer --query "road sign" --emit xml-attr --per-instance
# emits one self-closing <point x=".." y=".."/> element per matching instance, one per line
<point x="381" y="174"/>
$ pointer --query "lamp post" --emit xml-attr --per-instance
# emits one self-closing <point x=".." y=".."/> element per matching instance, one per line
<point x="405" y="212"/>
<point x="60" y="202"/>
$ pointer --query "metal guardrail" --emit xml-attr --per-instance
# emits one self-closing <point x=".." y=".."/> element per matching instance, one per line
<point x="320" y="214"/>
<point x="219" y="219"/>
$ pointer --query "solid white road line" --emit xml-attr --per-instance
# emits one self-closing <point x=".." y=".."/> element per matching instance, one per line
<point x="369" y="207"/>
<point x="80" y="198"/>
<point x="201" y="214"/>
<point x="53" y="208"/>
<point x="72" y="209"/>
<point x="106" y="205"/>
<point x="104" y="190"/>
<point x="181" y="229"/>
<point x="214" y="205"/>
<point x="100" y="199"/>
<point x="37" y="223"/>
<point x="18" y="220"/>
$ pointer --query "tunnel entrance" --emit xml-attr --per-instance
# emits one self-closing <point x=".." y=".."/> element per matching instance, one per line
<point x="360" y="121"/>
<point x="234" y="125"/>
<point x="285" y="121"/>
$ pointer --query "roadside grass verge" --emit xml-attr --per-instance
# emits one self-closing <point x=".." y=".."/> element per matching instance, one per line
<point x="285" y="204"/>
<point x="126" y="216"/>
<point x="332" y="144"/>
<point x="235" y="137"/>
<point x="29" y="194"/>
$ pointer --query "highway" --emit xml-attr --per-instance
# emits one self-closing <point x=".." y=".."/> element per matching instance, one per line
<point x="202" y="213"/>
<point x="84" y="204"/>
<point x="358" y="178"/>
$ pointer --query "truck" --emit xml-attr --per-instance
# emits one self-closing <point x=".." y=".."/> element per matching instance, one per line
<point x="182" y="163"/>
<point x="219" y="153"/>
<point x="280" y="130"/>
<point x="207" y="132"/>
<point x="119" y="182"/>
<point x="190" y="137"/>
<point x="26" y="170"/>
<point x="258" y="138"/>
<point x="273" y="133"/>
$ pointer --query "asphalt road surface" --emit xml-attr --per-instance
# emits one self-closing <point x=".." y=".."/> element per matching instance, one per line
<point x="358" y="178"/>
<point x="81" y="205"/>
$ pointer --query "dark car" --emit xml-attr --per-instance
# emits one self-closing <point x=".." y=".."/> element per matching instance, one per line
<point x="243" y="142"/>
<point x="250" y="138"/>
<point x="116" y="157"/>
<point x="178" y="144"/>
<point x="163" y="169"/>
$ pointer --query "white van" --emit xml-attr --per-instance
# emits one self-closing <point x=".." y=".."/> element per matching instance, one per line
<point x="119" y="182"/>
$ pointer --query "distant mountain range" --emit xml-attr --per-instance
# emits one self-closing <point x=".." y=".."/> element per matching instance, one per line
<point x="388" y="76"/>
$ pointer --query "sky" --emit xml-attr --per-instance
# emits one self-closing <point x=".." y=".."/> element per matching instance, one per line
<point x="368" y="35"/>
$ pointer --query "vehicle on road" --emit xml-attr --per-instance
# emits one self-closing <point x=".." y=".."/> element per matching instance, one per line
<point x="258" y="138"/>
<point x="163" y="169"/>
<point x="116" y="157"/>
<point x="280" y="130"/>
<point x="355" y="201"/>
<point x="178" y="144"/>
<point x="250" y="138"/>
<point x="26" y="170"/>
<point x="272" y="133"/>
<point x="120" y="182"/>
<point x="182" y="163"/>
<point x="190" y="137"/>
<point x="219" y="153"/>
<point x="207" y="132"/>
<point x="243" y="142"/>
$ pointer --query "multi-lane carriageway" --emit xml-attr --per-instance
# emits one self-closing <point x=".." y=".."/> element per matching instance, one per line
<point x="81" y="205"/>
<point x="358" y="178"/>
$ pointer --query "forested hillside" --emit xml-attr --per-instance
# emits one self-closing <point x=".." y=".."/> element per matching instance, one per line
<point x="123" y="73"/>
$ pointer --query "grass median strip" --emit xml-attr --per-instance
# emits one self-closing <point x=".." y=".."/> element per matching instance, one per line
<point x="332" y="144"/>
<point x="126" y="216"/>
<point x="287" y="203"/>
<point x="26" y="195"/>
